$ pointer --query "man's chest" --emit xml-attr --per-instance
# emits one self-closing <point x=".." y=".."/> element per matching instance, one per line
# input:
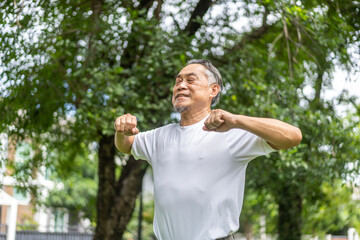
<point x="192" y="147"/>
<point x="187" y="155"/>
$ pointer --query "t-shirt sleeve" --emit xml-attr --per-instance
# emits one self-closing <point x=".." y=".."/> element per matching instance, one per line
<point x="246" y="146"/>
<point x="143" y="146"/>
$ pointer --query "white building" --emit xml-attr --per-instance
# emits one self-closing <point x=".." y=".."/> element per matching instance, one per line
<point x="28" y="217"/>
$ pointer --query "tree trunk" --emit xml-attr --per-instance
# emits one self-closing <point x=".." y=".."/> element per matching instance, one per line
<point x="290" y="206"/>
<point x="248" y="229"/>
<point x="128" y="187"/>
<point x="106" y="192"/>
<point x="116" y="199"/>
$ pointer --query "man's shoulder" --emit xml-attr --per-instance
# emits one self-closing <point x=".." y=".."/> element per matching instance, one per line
<point x="167" y="127"/>
<point x="163" y="129"/>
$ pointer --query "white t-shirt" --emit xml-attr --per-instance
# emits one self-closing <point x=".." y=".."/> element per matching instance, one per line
<point x="199" y="178"/>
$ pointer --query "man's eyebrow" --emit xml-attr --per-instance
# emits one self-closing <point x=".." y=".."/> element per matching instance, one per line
<point x="187" y="75"/>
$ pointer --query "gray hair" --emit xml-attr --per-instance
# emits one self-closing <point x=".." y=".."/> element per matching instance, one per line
<point x="213" y="76"/>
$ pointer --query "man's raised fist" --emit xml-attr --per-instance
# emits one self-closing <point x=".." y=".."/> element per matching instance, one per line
<point x="126" y="125"/>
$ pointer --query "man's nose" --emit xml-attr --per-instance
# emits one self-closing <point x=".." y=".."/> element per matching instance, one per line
<point x="182" y="85"/>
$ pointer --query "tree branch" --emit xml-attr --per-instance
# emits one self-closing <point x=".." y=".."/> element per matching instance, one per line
<point x="286" y="32"/>
<point x="18" y="13"/>
<point x="200" y="10"/>
<point x="273" y="44"/>
<point x="316" y="102"/>
<point x="256" y="33"/>
<point x="157" y="11"/>
<point x="96" y="7"/>
<point x="130" y="52"/>
<point x="355" y="105"/>
<point x="145" y="4"/>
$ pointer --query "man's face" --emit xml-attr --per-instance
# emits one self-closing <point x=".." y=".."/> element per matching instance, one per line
<point x="191" y="89"/>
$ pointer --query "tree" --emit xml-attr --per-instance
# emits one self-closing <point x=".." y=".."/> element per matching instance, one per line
<point x="327" y="144"/>
<point x="71" y="68"/>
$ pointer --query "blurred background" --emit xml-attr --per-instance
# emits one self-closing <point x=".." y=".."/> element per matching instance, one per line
<point x="68" y="68"/>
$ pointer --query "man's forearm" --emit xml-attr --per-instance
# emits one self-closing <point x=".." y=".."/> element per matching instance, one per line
<point x="278" y="134"/>
<point x="123" y="143"/>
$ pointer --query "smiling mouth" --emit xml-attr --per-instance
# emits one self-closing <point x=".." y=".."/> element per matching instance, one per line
<point x="181" y="96"/>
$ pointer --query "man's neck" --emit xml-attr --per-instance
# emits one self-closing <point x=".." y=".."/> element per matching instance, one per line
<point x="189" y="118"/>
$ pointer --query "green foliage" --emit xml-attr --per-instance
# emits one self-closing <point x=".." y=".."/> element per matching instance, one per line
<point x="75" y="181"/>
<point x="256" y="205"/>
<point x="335" y="213"/>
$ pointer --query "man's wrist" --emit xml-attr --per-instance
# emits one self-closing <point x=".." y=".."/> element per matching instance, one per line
<point x="238" y="121"/>
<point x="120" y="134"/>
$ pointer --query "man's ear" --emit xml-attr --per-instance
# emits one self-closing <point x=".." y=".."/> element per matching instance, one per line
<point x="215" y="88"/>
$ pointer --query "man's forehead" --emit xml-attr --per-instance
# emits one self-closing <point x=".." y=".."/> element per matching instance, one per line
<point x="196" y="69"/>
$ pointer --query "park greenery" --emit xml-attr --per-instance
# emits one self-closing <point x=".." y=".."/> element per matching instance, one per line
<point x="69" y="68"/>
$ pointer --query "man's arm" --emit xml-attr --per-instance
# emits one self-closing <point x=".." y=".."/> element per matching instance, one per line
<point x="125" y="127"/>
<point x="278" y="134"/>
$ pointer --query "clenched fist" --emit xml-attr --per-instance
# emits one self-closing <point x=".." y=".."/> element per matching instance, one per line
<point x="126" y="125"/>
<point x="219" y="121"/>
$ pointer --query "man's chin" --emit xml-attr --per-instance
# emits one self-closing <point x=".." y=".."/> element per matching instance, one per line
<point x="181" y="109"/>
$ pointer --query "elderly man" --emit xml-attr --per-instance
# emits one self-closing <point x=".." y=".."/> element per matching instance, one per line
<point x="199" y="164"/>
